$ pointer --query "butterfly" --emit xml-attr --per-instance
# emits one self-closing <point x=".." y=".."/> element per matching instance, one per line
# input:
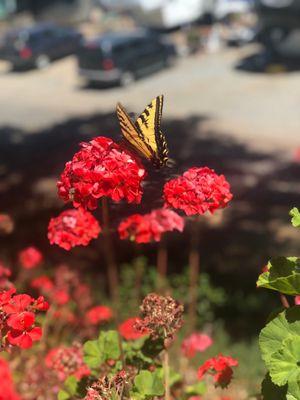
<point x="145" y="135"/>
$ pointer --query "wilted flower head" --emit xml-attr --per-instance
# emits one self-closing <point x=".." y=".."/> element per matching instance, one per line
<point x="150" y="227"/>
<point x="161" y="316"/>
<point x="198" y="190"/>
<point x="99" y="314"/>
<point x="129" y="331"/>
<point x="6" y="224"/>
<point x="101" y="168"/>
<point x="75" y="227"/>
<point x="107" y="388"/>
<point x="67" y="361"/>
<point x="196" y="342"/>
<point x="220" y="368"/>
<point x="30" y="257"/>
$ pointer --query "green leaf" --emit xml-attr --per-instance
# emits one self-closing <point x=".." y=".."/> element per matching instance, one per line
<point x="295" y="214"/>
<point x="71" y="384"/>
<point x="175" y="377"/>
<point x="149" y="383"/>
<point x="198" y="388"/>
<point x="270" y="391"/>
<point x="280" y="347"/>
<point x="92" y="354"/>
<point x="286" y="324"/>
<point x="283" y="275"/>
<point x="293" y="390"/>
<point x="63" y="395"/>
<point x="284" y="364"/>
<point x="96" y="352"/>
<point x="109" y="342"/>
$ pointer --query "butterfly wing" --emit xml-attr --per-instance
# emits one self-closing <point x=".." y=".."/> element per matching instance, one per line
<point x="145" y="134"/>
<point x="131" y="134"/>
<point x="148" y="125"/>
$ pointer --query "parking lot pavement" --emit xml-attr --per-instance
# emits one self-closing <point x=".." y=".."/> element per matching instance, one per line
<point x="258" y="108"/>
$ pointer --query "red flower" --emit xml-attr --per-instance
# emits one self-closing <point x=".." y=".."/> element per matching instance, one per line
<point x="17" y="322"/>
<point x="5" y="273"/>
<point x="128" y="330"/>
<point x="7" y="385"/>
<point x="297" y="300"/>
<point x="18" y="303"/>
<point x="99" y="314"/>
<point x="66" y="361"/>
<point x="61" y="296"/>
<point x="21" y="321"/>
<point x="197" y="342"/>
<point x="297" y="155"/>
<point x="42" y="283"/>
<point x="220" y="367"/>
<point x="30" y="257"/>
<point x="195" y="398"/>
<point x="40" y="304"/>
<point x="150" y="227"/>
<point x="73" y="228"/>
<point x="101" y="168"/>
<point x="198" y="190"/>
<point x="24" y="339"/>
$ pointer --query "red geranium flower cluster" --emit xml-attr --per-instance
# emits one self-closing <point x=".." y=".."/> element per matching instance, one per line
<point x="17" y="324"/>
<point x="75" y="227"/>
<point x="220" y="368"/>
<point x="129" y="331"/>
<point x="30" y="257"/>
<point x="196" y="342"/>
<point x="64" y="290"/>
<point x="98" y="314"/>
<point x="5" y="274"/>
<point x="101" y="168"/>
<point x="7" y="385"/>
<point x="67" y="361"/>
<point x="150" y="227"/>
<point x="198" y="190"/>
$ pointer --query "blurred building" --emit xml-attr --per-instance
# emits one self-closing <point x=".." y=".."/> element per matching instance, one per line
<point x="165" y="14"/>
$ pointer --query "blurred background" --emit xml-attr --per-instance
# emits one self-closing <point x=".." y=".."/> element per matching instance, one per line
<point x="230" y="73"/>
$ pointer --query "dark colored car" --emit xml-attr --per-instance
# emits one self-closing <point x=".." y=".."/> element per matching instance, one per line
<point x="279" y="27"/>
<point x="37" y="46"/>
<point x="123" y="57"/>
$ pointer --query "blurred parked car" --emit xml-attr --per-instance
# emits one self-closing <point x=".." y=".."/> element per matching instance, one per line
<point x="123" y="57"/>
<point x="279" y="28"/>
<point x="37" y="46"/>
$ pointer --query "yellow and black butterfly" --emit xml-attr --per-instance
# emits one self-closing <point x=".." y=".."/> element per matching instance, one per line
<point x="145" y="135"/>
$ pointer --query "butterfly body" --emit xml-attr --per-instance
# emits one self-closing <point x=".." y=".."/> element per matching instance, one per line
<point x="145" y="135"/>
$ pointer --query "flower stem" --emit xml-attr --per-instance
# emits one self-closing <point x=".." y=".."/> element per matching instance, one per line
<point x="284" y="301"/>
<point x="194" y="271"/>
<point x="166" y="365"/>
<point x="162" y="265"/>
<point x="112" y="270"/>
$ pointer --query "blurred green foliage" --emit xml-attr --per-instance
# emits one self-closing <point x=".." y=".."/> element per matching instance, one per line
<point x="139" y="278"/>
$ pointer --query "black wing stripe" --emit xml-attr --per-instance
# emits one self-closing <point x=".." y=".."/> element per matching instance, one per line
<point x="123" y="123"/>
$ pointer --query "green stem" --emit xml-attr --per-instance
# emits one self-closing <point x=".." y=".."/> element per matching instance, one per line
<point x="194" y="272"/>
<point x="166" y="365"/>
<point x="284" y="301"/>
<point x="112" y="270"/>
<point x="162" y="265"/>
